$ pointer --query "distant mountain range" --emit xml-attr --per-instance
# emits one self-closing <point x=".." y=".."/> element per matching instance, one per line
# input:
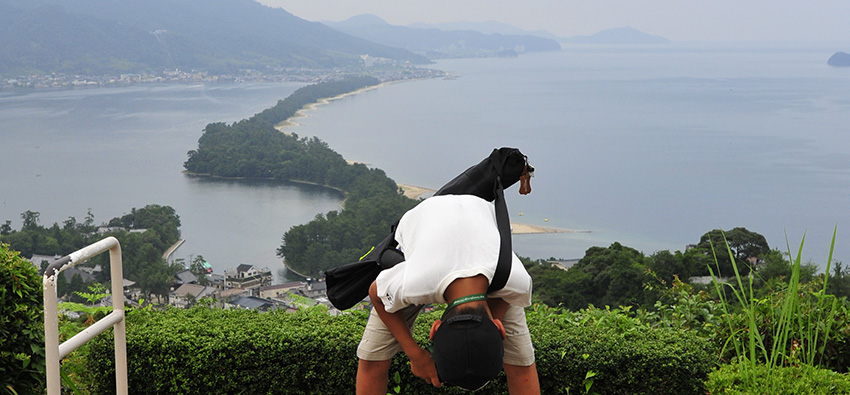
<point x="107" y="36"/>
<point x="438" y="43"/>
<point x="488" y="27"/>
<point x="102" y="37"/>
<point x="618" y="36"/>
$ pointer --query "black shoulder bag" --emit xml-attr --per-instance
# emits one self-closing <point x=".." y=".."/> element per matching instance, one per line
<point x="349" y="284"/>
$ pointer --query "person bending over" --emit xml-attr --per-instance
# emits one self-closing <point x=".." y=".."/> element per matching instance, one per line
<point x="451" y="247"/>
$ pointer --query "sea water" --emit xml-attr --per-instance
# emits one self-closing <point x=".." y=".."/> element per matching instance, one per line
<point x="109" y="150"/>
<point x="651" y="146"/>
<point x="647" y="146"/>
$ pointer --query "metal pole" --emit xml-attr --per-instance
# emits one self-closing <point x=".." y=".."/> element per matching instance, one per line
<point x="119" y="329"/>
<point x="51" y="334"/>
<point x="53" y="351"/>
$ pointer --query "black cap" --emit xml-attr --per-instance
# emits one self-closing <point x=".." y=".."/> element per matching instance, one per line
<point x="468" y="351"/>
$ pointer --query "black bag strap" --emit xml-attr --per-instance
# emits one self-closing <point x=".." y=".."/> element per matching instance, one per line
<point x="503" y="266"/>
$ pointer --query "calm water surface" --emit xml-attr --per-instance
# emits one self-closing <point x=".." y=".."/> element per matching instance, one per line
<point x="112" y="149"/>
<point x="651" y="147"/>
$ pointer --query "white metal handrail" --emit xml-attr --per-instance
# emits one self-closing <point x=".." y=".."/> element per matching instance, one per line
<point x="54" y="352"/>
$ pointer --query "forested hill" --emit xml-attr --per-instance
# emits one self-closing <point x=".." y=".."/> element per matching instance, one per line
<point x="254" y="148"/>
<point x="98" y="37"/>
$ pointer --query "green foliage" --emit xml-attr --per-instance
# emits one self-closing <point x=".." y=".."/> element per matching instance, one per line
<point x="97" y="292"/>
<point x="233" y="351"/>
<point x="682" y="307"/>
<point x="254" y="148"/>
<point x="239" y="351"/>
<point x="818" y="332"/>
<point x="792" y="380"/>
<point x="84" y="37"/>
<point x="93" y="313"/>
<point x="744" y="247"/>
<point x="22" y="365"/>
<point x="627" y="356"/>
<point x="287" y="107"/>
<point x="162" y="219"/>
<point x="605" y="276"/>
<point x="791" y="328"/>
<point x="839" y="282"/>
<point x="55" y="240"/>
<point x="342" y="237"/>
<point x="141" y="251"/>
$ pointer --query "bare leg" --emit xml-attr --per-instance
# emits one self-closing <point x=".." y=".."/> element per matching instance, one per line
<point x="372" y="377"/>
<point x="522" y="380"/>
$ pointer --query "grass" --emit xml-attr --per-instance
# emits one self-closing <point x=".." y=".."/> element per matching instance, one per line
<point x="798" y="340"/>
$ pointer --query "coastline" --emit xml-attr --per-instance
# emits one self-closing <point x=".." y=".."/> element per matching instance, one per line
<point x="417" y="192"/>
<point x="411" y="191"/>
<point x="302" y="112"/>
<point x="167" y="254"/>
<point x="525" y="229"/>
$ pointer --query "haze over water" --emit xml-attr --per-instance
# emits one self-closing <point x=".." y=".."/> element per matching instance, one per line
<point x="648" y="146"/>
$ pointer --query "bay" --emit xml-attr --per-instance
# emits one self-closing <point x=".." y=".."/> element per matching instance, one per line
<point x="107" y="150"/>
<point x="647" y="146"/>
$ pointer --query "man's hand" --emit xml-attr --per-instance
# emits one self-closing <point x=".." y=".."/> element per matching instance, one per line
<point x="424" y="367"/>
<point x="420" y="360"/>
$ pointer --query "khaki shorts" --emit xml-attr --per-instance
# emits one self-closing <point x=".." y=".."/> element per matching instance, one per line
<point x="378" y="344"/>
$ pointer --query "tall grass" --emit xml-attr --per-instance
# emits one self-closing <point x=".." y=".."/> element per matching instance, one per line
<point x="797" y="339"/>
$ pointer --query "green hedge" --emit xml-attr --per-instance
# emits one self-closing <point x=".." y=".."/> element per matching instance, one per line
<point x="793" y="380"/>
<point x="21" y="325"/>
<point x="205" y="350"/>
<point x="627" y="357"/>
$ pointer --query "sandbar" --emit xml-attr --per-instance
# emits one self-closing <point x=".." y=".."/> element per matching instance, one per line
<point x="525" y="229"/>
<point x="415" y="192"/>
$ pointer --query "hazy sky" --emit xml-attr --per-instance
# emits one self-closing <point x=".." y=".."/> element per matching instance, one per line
<point x="678" y="20"/>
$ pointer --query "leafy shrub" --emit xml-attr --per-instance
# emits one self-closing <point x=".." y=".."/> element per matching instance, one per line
<point x="205" y="350"/>
<point x="626" y="356"/>
<point x="795" y="380"/>
<point x="21" y="325"/>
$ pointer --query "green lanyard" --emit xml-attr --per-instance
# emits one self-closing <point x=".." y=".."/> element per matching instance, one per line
<point x="466" y="299"/>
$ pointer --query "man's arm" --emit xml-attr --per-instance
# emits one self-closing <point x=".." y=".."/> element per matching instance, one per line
<point x="498" y="308"/>
<point x="420" y="360"/>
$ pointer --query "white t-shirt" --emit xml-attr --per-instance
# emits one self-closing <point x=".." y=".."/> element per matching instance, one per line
<point x="445" y="238"/>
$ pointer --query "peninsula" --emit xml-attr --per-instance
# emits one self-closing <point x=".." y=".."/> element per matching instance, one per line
<point x="256" y="148"/>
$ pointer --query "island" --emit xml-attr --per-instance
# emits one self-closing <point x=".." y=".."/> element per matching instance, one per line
<point x="839" y="59"/>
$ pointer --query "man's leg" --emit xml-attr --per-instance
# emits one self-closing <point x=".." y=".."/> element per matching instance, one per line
<point x="519" y="354"/>
<point x="522" y="380"/>
<point x="376" y="351"/>
<point x="372" y="377"/>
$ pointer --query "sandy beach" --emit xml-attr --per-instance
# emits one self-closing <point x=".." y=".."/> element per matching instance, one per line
<point x="291" y="121"/>
<point x="524" y="229"/>
<point x="415" y="192"/>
